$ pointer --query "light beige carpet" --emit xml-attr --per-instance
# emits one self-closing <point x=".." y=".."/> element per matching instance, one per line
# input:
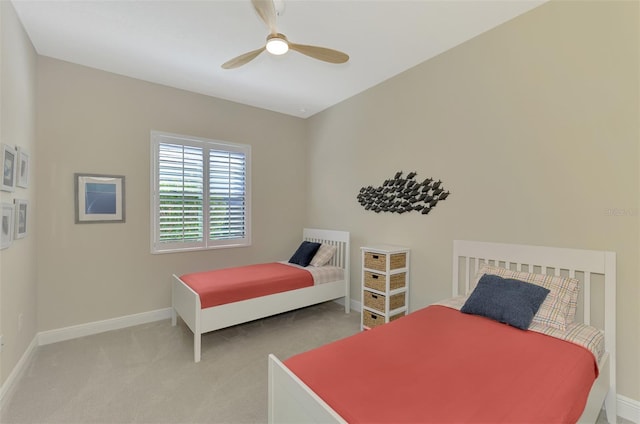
<point x="146" y="374"/>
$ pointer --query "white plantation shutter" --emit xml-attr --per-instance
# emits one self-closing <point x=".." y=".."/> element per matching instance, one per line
<point x="181" y="193"/>
<point x="201" y="194"/>
<point x="227" y="194"/>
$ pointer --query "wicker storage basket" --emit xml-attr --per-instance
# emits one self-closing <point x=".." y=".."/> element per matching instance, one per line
<point x="397" y="281"/>
<point x="396" y="316"/>
<point x="398" y="260"/>
<point x="377" y="301"/>
<point x="371" y="319"/>
<point x="378" y="261"/>
<point x="377" y="281"/>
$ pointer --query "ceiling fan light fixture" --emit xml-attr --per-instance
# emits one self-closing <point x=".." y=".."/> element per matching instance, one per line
<point x="277" y="45"/>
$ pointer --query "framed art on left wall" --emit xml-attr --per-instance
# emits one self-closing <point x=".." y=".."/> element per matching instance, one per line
<point x="22" y="168"/>
<point x="21" y="207"/>
<point x="6" y="226"/>
<point x="8" y="182"/>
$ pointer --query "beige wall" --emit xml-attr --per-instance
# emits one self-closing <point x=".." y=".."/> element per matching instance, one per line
<point x="97" y="122"/>
<point x="18" y="315"/>
<point x="534" y="129"/>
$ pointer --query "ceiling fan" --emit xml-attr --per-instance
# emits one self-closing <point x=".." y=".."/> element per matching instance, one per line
<point x="278" y="43"/>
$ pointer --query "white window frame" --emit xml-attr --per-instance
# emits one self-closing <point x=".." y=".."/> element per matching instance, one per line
<point x="157" y="246"/>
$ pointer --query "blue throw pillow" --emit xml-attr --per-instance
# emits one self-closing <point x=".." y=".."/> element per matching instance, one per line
<point x="513" y="302"/>
<point x="305" y="253"/>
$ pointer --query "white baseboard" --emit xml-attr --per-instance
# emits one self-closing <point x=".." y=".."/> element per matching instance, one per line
<point x="629" y="409"/>
<point x="73" y="332"/>
<point x="6" y="390"/>
<point x="355" y="305"/>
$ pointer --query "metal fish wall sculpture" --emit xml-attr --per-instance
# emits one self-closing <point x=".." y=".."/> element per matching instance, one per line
<point x="402" y="195"/>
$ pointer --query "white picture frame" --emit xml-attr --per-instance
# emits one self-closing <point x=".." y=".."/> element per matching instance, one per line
<point x="9" y="158"/>
<point x="6" y="225"/>
<point x="99" y="198"/>
<point x="22" y="168"/>
<point x="22" y="215"/>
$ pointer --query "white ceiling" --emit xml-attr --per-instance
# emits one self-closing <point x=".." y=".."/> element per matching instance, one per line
<point x="182" y="43"/>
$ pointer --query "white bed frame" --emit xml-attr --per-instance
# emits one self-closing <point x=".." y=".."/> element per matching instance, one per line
<point x="186" y="303"/>
<point x="291" y="401"/>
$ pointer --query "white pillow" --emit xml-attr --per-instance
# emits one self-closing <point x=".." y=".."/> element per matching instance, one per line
<point x="323" y="255"/>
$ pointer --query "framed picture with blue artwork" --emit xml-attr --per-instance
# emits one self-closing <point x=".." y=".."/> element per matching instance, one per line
<point x="99" y="198"/>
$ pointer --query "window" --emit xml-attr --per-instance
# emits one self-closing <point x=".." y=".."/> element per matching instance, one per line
<point x="200" y="193"/>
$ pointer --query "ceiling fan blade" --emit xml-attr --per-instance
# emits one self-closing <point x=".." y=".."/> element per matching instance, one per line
<point x="320" y="53"/>
<point x="267" y="12"/>
<point x="242" y="59"/>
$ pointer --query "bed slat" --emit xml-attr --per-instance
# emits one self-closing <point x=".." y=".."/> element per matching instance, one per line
<point x="586" y="308"/>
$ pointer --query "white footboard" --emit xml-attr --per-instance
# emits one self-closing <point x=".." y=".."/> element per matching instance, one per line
<point x="292" y="401"/>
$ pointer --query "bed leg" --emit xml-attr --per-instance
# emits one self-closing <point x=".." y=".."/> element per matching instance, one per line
<point x="611" y="407"/>
<point x="196" y="347"/>
<point x="174" y="317"/>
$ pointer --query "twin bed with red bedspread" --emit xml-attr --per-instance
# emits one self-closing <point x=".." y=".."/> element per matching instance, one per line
<point x="211" y="300"/>
<point x="440" y="365"/>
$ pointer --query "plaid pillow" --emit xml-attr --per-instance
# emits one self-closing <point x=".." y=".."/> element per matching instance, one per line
<point x="323" y="255"/>
<point x="559" y="308"/>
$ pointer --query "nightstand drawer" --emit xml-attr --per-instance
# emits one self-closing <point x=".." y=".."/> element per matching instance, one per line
<point x="371" y="319"/>
<point x="378" y="261"/>
<point x="376" y="281"/>
<point x="378" y="301"/>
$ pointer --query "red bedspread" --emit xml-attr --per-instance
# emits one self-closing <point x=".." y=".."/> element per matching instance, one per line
<point x="240" y="283"/>
<point x="439" y="365"/>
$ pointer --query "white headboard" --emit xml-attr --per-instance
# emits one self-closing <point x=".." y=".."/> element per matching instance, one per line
<point x="468" y="256"/>
<point x="341" y="240"/>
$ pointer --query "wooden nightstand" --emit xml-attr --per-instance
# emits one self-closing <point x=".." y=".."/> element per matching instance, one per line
<point x="385" y="284"/>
